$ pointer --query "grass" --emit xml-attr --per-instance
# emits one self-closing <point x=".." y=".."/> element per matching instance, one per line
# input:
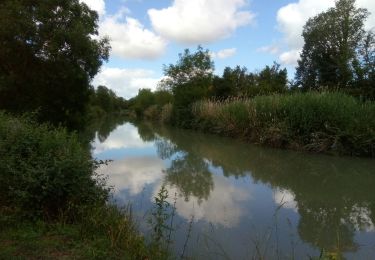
<point x="317" y="122"/>
<point x="59" y="240"/>
<point x="49" y="241"/>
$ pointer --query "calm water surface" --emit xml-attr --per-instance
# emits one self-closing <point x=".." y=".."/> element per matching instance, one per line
<point x="243" y="201"/>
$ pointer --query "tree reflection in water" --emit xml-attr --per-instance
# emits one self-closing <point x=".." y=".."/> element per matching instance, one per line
<point x="334" y="196"/>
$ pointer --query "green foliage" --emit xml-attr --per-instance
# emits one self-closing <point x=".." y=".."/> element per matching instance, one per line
<point x="238" y="82"/>
<point x="143" y="100"/>
<point x="271" y="80"/>
<point x="234" y="82"/>
<point x="319" y="122"/>
<point x="48" y="57"/>
<point x="53" y="204"/>
<point x="103" y="232"/>
<point x="338" y="53"/>
<point x="161" y="230"/>
<point x="160" y="216"/>
<point x="45" y="171"/>
<point x="189" y="80"/>
<point x="104" y="101"/>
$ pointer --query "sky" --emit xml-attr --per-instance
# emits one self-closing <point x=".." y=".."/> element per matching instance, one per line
<point x="146" y="34"/>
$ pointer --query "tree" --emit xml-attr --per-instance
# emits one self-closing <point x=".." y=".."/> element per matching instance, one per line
<point x="238" y="82"/>
<point x="143" y="100"/>
<point x="365" y="68"/>
<point x="49" y="52"/>
<point x="272" y="80"/>
<point x="234" y="82"/>
<point x="329" y="54"/>
<point x="189" y="80"/>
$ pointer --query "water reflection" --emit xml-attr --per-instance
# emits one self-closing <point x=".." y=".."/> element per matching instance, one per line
<point x="139" y="172"/>
<point x="329" y="201"/>
<point x="221" y="207"/>
<point x="286" y="199"/>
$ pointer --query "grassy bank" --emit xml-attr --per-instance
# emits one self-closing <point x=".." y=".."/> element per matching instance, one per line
<point x="316" y="122"/>
<point x="52" y="204"/>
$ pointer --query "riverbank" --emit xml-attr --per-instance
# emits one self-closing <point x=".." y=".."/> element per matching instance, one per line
<point x="53" y="204"/>
<point x="332" y="123"/>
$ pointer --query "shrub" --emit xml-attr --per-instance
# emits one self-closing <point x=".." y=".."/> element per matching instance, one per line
<point x="45" y="171"/>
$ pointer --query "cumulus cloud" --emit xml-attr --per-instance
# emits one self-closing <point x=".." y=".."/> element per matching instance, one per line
<point x="292" y="17"/>
<point x="129" y="39"/>
<point x="200" y="21"/>
<point x="126" y="82"/>
<point x="96" y="5"/>
<point x="223" y="54"/>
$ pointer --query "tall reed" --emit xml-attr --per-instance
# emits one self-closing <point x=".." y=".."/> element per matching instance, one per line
<point x="319" y="122"/>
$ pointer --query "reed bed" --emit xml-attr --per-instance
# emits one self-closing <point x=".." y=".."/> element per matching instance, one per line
<point x="317" y="122"/>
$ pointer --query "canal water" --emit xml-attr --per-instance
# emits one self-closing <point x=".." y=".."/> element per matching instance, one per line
<point x="233" y="200"/>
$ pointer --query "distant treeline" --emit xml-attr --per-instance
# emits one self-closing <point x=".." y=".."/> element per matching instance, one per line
<point x="104" y="100"/>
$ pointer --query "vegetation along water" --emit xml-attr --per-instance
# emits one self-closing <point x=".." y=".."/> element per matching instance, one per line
<point x="86" y="174"/>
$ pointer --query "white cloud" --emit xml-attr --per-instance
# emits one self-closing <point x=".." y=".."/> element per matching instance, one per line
<point x="370" y="6"/>
<point x="290" y="57"/>
<point x="271" y="49"/>
<point x="292" y="17"/>
<point x="200" y="21"/>
<point x="126" y="82"/>
<point x="129" y="39"/>
<point x="96" y="5"/>
<point x="223" y="54"/>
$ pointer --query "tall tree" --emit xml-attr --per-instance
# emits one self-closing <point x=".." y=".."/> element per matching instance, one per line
<point x="49" y="52"/>
<point x="189" y="80"/>
<point x="329" y="54"/>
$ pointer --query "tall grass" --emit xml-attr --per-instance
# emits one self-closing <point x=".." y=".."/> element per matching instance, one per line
<point x="319" y="122"/>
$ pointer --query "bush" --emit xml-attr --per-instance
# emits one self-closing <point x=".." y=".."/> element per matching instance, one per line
<point x="45" y="171"/>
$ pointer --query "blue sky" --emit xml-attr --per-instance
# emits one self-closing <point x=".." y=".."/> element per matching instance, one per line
<point x="145" y="34"/>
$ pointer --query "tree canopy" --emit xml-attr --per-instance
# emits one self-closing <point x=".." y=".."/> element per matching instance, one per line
<point x="189" y="80"/>
<point x="333" y="55"/>
<point x="49" y="52"/>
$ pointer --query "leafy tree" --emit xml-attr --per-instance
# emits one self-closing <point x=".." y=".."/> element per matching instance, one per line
<point x="105" y="98"/>
<point x="365" y="68"/>
<point x="143" y="100"/>
<point x="163" y="97"/>
<point x="189" y="80"/>
<point x="49" y="53"/>
<point x="238" y="82"/>
<point x="234" y="82"/>
<point x="332" y="39"/>
<point x="272" y="80"/>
